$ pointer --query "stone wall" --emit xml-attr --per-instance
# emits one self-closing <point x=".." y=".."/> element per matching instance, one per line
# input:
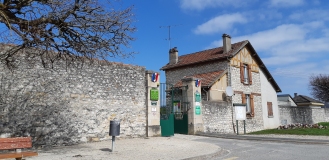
<point x="304" y="115"/>
<point x="64" y="106"/>
<point x="217" y="117"/>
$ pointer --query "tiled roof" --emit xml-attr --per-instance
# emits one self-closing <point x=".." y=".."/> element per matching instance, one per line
<point x="305" y="99"/>
<point x="205" y="55"/>
<point x="207" y="79"/>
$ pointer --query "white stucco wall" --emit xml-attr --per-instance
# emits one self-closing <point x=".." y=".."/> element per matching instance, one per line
<point x="269" y="95"/>
<point x="286" y="101"/>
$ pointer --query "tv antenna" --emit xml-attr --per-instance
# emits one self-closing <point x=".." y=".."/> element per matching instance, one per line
<point x="169" y="37"/>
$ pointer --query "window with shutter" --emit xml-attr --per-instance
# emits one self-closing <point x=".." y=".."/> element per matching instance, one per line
<point x="269" y="109"/>
<point x="248" y="99"/>
<point x="245" y="73"/>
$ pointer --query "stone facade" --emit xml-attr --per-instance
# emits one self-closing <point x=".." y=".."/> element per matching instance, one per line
<point x="65" y="106"/>
<point x="253" y="123"/>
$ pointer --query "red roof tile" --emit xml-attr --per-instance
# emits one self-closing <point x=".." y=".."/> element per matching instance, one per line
<point x="207" y="79"/>
<point x="206" y="55"/>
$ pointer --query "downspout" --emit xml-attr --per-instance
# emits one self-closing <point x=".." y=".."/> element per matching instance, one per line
<point x="229" y="84"/>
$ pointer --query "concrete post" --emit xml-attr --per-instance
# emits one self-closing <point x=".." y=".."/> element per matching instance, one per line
<point x="152" y="105"/>
<point x="195" y="122"/>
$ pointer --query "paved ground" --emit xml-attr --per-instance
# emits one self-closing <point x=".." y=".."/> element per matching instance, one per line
<point x="162" y="148"/>
<point x="153" y="148"/>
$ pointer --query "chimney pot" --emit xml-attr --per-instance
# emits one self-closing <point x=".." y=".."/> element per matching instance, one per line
<point x="295" y="95"/>
<point x="226" y="43"/>
<point x="173" y="55"/>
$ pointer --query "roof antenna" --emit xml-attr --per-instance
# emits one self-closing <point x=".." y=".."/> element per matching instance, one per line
<point x="169" y="38"/>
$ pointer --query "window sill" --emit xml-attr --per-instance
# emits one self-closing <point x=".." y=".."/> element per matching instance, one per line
<point x="270" y="116"/>
<point x="246" y="84"/>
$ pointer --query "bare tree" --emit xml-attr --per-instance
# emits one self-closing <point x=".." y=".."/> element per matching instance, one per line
<point x="319" y="86"/>
<point x="73" y="29"/>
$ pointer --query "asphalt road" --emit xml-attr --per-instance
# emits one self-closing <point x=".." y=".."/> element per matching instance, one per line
<point x="262" y="150"/>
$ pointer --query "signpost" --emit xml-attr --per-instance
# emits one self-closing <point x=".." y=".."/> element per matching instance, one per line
<point x="240" y="114"/>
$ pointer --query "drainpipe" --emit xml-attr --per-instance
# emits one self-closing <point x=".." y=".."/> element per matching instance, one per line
<point x="229" y="84"/>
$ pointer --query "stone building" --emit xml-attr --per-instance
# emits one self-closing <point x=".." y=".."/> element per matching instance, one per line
<point x="238" y="66"/>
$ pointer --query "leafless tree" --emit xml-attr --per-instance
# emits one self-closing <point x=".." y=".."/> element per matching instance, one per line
<point x="319" y="85"/>
<point x="73" y="29"/>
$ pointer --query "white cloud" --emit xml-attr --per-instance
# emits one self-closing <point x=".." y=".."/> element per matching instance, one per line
<point x="286" y="3"/>
<point x="314" y="14"/>
<point x="287" y="44"/>
<point x="264" y="40"/>
<point x="220" y="23"/>
<point x="202" y="4"/>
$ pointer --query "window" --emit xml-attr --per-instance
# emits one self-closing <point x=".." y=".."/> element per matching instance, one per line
<point x="245" y="73"/>
<point x="248" y="99"/>
<point x="269" y="109"/>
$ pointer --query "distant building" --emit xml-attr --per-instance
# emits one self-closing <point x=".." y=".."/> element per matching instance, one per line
<point x="305" y="101"/>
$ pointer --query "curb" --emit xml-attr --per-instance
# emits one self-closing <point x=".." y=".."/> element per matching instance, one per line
<point x="270" y="139"/>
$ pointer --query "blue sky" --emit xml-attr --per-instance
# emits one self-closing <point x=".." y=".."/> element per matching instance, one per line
<point x="290" y="36"/>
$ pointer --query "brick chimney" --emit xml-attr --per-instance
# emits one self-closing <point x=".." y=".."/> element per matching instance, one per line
<point x="226" y="43"/>
<point x="173" y="55"/>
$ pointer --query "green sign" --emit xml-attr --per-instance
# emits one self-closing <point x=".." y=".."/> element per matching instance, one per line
<point x="197" y="97"/>
<point x="154" y="94"/>
<point x="197" y="110"/>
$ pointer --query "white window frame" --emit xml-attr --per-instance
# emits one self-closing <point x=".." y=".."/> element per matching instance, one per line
<point x="248" y="104"/>
<point x="245" y="74"/>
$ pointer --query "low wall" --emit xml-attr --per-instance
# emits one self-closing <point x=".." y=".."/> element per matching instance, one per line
<point x="65" y="106"/>
<point x="305" y="115"/>
<point x="217" y="117"/>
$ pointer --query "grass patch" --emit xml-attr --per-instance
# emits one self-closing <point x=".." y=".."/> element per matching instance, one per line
<point x="299" y="131"/>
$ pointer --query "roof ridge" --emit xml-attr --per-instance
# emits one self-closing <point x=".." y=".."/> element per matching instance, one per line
<point x="210" y="49"/>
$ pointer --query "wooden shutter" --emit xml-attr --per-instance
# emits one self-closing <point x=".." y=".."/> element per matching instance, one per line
<point x="252" y="113"/>
<point x="242" y="72"/>
<point x="249" y="74"/>
<point x="269" y="109"/>
<point x="243" y="98"/>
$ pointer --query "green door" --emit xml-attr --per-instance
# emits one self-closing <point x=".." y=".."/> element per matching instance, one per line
<point x="166" y="116"/>
<point x="180" y="110"/>
<point x="173" y="111"/>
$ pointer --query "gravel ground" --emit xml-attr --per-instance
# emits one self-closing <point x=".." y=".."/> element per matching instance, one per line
<point x="159" y="148"/>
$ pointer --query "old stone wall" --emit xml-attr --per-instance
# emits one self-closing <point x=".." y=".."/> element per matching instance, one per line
<point x="217" y="117"/>
<point x="64" y="106"/>
<point x="304" y="115"/>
